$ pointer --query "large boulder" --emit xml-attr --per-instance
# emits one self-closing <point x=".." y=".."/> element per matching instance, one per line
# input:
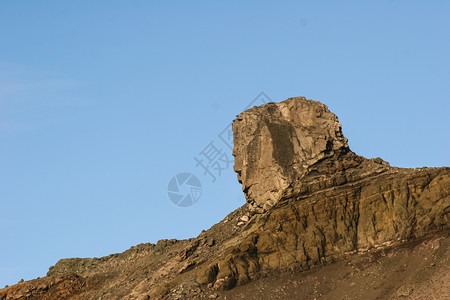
<point x="276" y="144"/>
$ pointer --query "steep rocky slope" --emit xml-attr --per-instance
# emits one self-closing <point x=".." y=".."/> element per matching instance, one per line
<point x="311" y="202"/>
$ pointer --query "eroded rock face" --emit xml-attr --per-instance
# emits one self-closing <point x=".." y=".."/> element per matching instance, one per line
<point x="275" y="144"/>
<point x="361" y="207"/>
<point x="310" y="201"/>
<point x="48" y="288"/>
<point x="315" y="199"/>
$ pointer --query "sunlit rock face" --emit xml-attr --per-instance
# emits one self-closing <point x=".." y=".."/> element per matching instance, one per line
<point x="310" y="201"/>
<point x="276" y="144"/>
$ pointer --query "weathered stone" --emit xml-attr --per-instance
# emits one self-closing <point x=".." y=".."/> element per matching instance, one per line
<point x="275" y="144"/>
<point x="318" y="199"/>
<point x="244" y="218"/>
<point x="310" y="201"/>
<point x="404" y="291"/>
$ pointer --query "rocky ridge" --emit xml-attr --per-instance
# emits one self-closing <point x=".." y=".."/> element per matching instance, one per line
<point x="311" y="201"/>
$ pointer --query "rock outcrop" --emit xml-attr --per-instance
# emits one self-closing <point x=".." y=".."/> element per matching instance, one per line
<point x="311" y="201"/>
<point x="315" y="199"/>
<point x="276" y="144"/>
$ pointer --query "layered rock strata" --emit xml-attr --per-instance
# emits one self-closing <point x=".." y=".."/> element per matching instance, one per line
<point x="310" y="201"/>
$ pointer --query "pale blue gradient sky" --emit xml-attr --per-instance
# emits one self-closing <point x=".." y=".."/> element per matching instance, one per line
<point x="102" y="103"/>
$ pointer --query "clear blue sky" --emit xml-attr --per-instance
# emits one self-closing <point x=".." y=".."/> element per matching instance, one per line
<point x="102" y="102"/>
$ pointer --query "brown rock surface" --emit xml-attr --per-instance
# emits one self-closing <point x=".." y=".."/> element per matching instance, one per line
<point x="275" y="144"/>
<point x="310" y="202"/>
<point x="320" y="199"/>
<point x="47" y="288"/>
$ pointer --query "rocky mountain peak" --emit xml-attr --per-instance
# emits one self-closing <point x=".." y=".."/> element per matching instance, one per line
<point x="277" y="143"/>
<point x="311" y="204"/>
